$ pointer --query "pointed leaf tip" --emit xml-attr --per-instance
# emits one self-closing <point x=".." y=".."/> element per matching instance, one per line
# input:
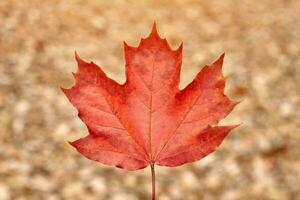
<point x="76" y="56"/>
<point x="70" y="143"/>
<point x="154" y="27"/>
<point x="219" y="62"/>
<point x="235" y="103"/>
<point x="220" y="59"/>
<point x="154" y="31"/>
<point x="179" y="49"/>
<point x="78" y="59"/>
<point x="62" y="89"/>
<point x="127" y="46"/>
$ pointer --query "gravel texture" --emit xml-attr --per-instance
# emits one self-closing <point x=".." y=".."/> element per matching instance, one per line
<point x="258" y="161"/>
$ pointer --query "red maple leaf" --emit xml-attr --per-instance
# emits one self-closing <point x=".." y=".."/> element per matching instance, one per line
<point x="148" y="120"/>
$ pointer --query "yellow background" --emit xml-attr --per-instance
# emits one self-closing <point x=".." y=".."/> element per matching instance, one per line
<point x="258" y="161"/>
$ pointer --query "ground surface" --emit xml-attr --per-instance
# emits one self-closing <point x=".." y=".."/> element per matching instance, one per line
<point x="258" y="161"/>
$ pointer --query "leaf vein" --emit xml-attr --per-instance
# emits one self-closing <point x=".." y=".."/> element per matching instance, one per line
<point x="179" y="124"/>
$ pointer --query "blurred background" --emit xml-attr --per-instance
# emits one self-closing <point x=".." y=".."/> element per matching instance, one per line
<point x="258" y="161"/>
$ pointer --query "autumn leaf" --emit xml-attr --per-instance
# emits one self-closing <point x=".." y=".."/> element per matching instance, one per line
<point x="148" y="120"/>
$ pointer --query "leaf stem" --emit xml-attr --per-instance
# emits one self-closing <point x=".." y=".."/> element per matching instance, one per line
<point x="153" y="181"/>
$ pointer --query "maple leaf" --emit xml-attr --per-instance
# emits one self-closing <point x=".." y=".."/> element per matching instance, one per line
<point x="148" y="120"/>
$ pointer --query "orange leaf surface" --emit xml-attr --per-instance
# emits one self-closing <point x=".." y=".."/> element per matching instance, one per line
<point x="148" y="120"/>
